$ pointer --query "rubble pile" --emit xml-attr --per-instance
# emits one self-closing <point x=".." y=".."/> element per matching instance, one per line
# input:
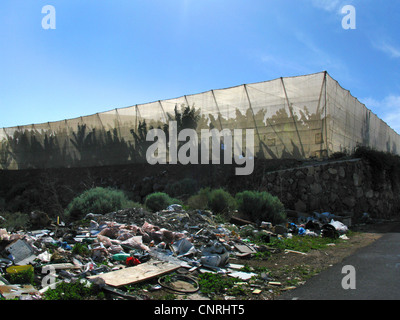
<point x="132" y="245"/>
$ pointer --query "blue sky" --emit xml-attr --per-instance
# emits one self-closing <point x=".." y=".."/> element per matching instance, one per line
<point x="106" y="54"/>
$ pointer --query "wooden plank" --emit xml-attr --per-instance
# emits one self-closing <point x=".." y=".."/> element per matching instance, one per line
<point x="241" y="222"/>
<point x="292" y="251"/>
<point x="62" y="266"/>
<point x="137" y="273"/>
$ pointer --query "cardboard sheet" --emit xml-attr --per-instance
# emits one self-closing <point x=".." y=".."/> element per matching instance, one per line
<point x="137" y="273"/>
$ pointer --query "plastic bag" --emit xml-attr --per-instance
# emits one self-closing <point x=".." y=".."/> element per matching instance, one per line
<point x="136" y="242"/>
<point x="214" y="254"/>
<point x="183" y="247"/>
<point x="339" y="226"/>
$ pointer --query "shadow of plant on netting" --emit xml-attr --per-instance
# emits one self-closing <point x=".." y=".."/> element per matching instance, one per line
<point x="279" y="136"/>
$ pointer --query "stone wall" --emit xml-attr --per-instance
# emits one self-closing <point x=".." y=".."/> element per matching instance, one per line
<point x="342" y="187"/>
<point x="350" y="187"/>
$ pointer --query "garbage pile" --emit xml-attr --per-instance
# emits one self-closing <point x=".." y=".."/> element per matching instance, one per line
<point x="132" y="245"/>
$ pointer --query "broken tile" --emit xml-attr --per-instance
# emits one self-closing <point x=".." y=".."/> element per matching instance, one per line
<point x="22" y="253"/>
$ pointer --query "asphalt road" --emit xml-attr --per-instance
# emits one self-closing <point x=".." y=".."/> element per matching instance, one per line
<point x="376" y="275"/>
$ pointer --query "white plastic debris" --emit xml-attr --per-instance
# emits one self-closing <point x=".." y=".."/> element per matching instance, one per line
<point x="339" y="226"/>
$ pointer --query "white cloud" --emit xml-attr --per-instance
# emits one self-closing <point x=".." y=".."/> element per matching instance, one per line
<point x="327" y="5"/>
<point x="331" y="5"/>
<point x="388" y="109"/>
<point x="387" y="48"/>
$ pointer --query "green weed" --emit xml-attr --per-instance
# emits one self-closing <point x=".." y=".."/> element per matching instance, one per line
<point x="214" y="284"/>
<point x="80" y="249"/>
<point x="71" y="291"/>
<point x="302" y="243"/>
<point x="24" y="277"/>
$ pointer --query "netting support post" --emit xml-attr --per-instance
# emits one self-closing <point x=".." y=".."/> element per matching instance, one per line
<point x="219" y="112"/>
<point x="292" y="115"/>
<point x="254" y="117"/>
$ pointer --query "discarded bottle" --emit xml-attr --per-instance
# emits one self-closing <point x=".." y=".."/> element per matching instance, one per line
<point x="121" y="256"/>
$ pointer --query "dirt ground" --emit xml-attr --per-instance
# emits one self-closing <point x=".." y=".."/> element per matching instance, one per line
<point x="321" y="259"/>
<point x="288" y="270"/>
<point x="292" y="269"/>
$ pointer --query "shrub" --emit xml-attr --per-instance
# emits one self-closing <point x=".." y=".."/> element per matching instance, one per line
<point x="14" y="221"/>
<point x="381" y="162"/>
<point x="98" y="200"/>
<point x="199" y="200"/>
<point x="261" y="206"/>
<point x="183" y="187"/>
<point x="159" y="201"/>
<point x="220" y="201"/>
